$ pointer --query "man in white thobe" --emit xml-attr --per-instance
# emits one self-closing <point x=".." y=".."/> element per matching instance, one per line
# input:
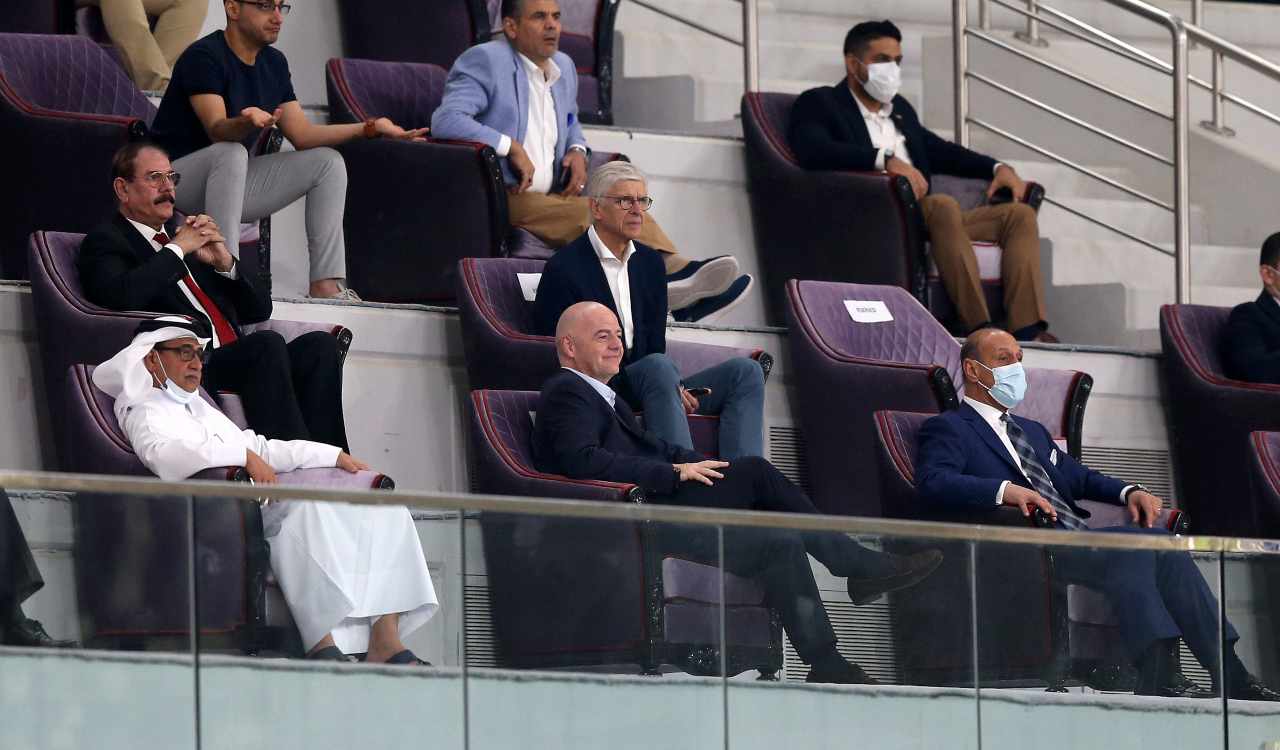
<point x="354" y="577"/>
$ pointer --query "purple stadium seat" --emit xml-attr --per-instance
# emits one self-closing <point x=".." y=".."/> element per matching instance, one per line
<point x="1264" y="474"/>
<point x="72" y="330"/>
<point x="910" y="363"/>
<point x="502" y="353"/>
<point x="1210" y="418"/>
<point x="577" y="593"/>
<point x="871" y="231"/>
<point x="123" y="541"/>
<point x="1027" y="627"/>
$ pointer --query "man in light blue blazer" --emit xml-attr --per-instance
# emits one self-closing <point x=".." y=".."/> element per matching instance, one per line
<point x="519" y="95"/>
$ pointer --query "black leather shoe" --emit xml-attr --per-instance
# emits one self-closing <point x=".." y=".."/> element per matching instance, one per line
<point x="29" y="632"/>
<point x="1179" y="686"/>
<point x="840" y="673"/>
<point x="905" y="571"/>
<point x="1253" y="690"/>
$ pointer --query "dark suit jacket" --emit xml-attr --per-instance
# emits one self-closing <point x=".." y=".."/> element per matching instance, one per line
<point x="961" y="463"/>
<point x="827" y="132"/>
<point x="1251" y="341"/>
<point x="574" y="275"/>
<point x="120" y="271"/>
<point x="578" y="435"/>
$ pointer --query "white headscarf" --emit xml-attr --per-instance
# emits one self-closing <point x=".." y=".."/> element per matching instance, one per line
<point x="124" y="377"/>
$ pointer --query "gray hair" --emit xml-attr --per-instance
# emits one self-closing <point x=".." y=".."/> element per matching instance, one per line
<point x="604" y="178"/>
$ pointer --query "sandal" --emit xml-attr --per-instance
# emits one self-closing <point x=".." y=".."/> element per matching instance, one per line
<point x="407" y="657"/>
<point x="329" y="653"/>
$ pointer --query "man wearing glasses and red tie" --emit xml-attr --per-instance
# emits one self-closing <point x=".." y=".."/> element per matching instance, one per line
<point x="226" y="88"/>
<point x="136" y="262"/>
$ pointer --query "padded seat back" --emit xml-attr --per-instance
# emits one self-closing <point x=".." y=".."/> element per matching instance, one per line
<point x="434" y="31"/>
<point x="765" y="124"/>
<point x="67" y="73"/>
<point x="406" y="92"/>
<point x="1196" y="335"/>
<point x="913" y="336"/>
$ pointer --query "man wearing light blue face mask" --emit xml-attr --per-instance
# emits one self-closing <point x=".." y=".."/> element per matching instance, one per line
<point x="863" y="124"/>
<point x="982" y="456"/>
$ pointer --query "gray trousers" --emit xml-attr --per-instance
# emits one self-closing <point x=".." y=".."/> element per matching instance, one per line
<point x="223" y="181"/>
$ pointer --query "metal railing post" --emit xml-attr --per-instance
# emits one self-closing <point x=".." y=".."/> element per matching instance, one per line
<point x="984" y="15"/>
<point x="750" y="45"/>
<point x="1218" y="123"/>
<point x="1197" y="18"/>
<point x="1032" y="34"/>
<point x="1181" y="174"/>
<point x="960" y="68"/>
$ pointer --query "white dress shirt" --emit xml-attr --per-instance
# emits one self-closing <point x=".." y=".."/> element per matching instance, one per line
<point x="603" y="389"/>
<point x="149" y="234"/>
<point x="885" y="135"/>
<point x="991" y="415"/>
<point x="543" y="130"/>
<point x="617" y="274"/>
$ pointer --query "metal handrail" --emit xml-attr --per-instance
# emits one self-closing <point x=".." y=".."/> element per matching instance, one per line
<point x="1177" y="69"/>
<point x="750" y="41"/>
<point x="88" y="485"/>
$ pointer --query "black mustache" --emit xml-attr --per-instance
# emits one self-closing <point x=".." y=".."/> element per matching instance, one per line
<point x="164" y="199"/>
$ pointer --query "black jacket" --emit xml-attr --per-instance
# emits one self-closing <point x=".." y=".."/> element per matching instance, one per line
<point x="1251" y="341"/>
<point x="574" y="275"/>
<point x="827" y="132"/>
<point x="119" y="270"/>
<point x="578" y="435"/>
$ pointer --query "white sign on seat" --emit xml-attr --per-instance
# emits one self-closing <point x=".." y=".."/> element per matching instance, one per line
<point x="529" y="285"/>
<point x="868" y="311"/>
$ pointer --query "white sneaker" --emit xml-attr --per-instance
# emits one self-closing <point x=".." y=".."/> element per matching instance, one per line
<point x="344" y="294"/>
<point x="701" y="279"/>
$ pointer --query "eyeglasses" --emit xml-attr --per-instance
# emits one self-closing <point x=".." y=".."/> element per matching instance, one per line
<point x="185" y="353"/>
<point x="156" y="179"/>
<point x="268" y="7"/>
<point x="627" y="202"/>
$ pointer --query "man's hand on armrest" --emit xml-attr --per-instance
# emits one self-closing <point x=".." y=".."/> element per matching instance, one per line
<point x="349" y="464"/>
<point x="919" y="185"/>
<point x="1006" y="177"/>
<point x="259" y="470"/>
<point x="1026" y="500"/>
<point x="702" y="471"/>
<point x="522" y="165"/>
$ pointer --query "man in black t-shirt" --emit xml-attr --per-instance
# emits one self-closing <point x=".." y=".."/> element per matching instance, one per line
<point x="225" y="89"/>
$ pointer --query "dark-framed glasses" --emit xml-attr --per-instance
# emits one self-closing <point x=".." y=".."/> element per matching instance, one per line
<point x="627" y="202"/>
<point x="186" y="352"/>
<point x="157" y="179"/>
<point x="268" y="7"/>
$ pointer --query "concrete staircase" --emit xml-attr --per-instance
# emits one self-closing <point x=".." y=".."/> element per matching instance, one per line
<point x="1101" y="287"/>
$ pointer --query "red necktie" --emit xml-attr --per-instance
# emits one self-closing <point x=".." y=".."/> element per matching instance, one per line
<point x="226" y="334"/>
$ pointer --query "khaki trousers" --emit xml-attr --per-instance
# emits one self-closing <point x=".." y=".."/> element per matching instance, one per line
<point x="1013" y="227"/>
<point x="148" y="55"/>
<point x="557" y="221"/>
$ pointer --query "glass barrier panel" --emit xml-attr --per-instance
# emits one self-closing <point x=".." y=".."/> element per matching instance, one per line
<point x="329" y="624"/>
<point x="1252" y="665"/>
<point x="588" y="633"/>
<point x="95" y="596"/>
<point x="1115" y="638"/>
<point x="874" y="637"/>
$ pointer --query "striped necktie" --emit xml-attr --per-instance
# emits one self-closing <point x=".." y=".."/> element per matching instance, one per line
<point x="1040" y="480"/>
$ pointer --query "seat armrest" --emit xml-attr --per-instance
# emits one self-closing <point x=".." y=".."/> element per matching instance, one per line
<point x="1103" y="515"/>
<point x="333" y="478"/>
<point x="691" y="357"/>
<point x="448" y="200"/>
<point x="292" y="329"/>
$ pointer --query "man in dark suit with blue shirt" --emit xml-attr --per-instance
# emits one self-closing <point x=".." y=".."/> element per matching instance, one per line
<point x="584" y="431"/>
<point x="1251" y="341"/>
<point x="862" y="124"/>
<point x="608" y="264"/>
<point x="981" y="456"/>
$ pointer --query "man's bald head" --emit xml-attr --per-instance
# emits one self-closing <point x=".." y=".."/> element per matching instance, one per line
<point x="589" y="340"/>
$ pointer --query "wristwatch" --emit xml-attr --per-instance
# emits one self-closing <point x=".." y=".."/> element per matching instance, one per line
<point x="1132" y="489"/>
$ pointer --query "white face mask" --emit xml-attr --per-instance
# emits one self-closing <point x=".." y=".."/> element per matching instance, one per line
<point x="884" y="79"/>
<point x="175" y="391"/>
